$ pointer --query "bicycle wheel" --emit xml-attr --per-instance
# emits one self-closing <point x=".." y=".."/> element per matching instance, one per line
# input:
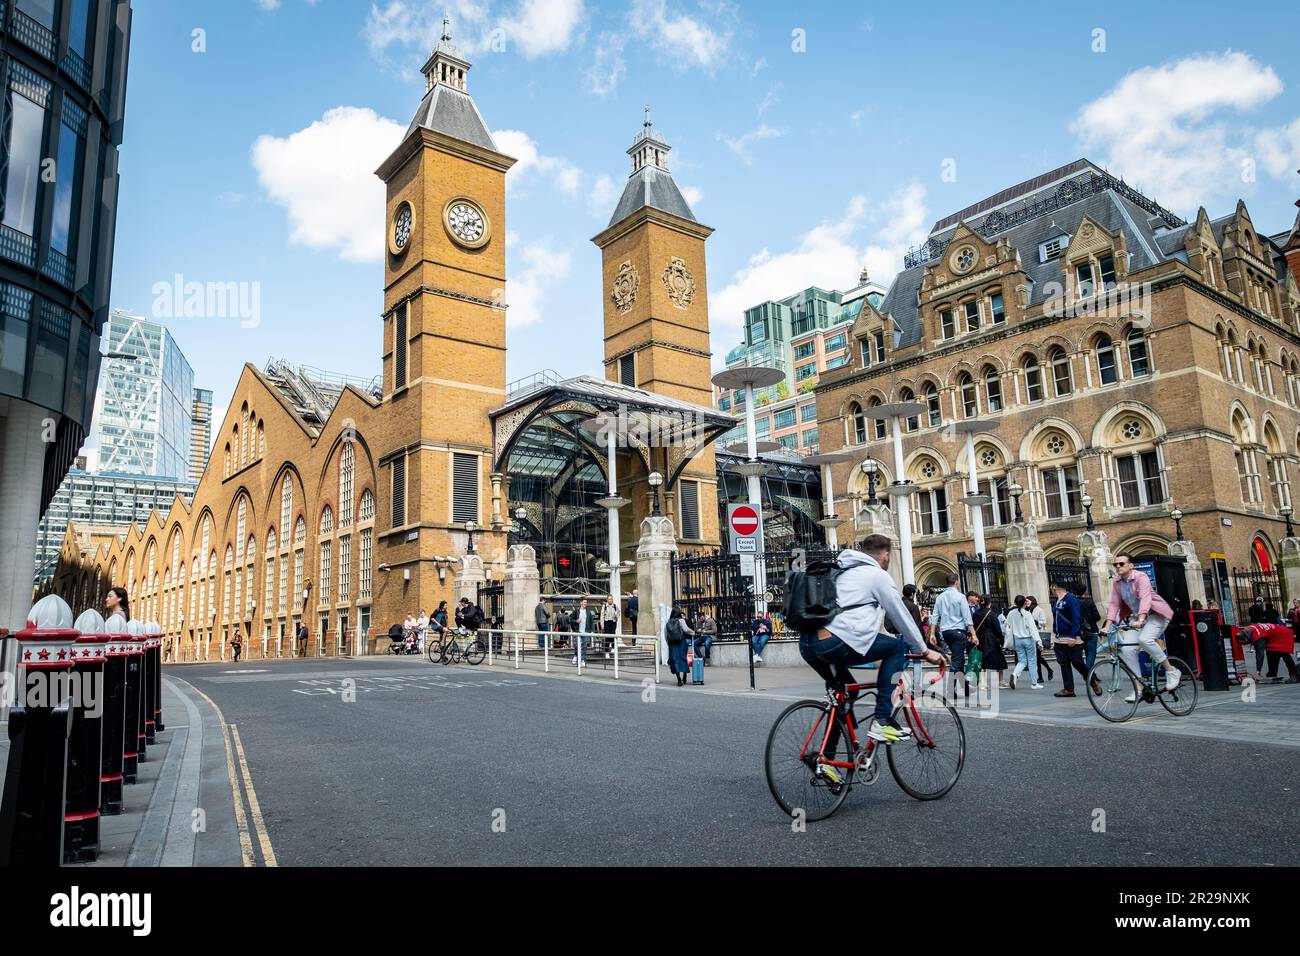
<point x="927" y="765"/>
<point x="475" y="651"/>
<point x="1181" y="701"/>
<point x="790" y="761"/>
<point x="435" y="652"/>
<point x="1117" y="687"/>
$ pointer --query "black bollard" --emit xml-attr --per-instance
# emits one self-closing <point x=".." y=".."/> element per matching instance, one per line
<point x="157" y="686"/>
<point x="31" y="813"/>
<point x="133" y="726"/>
<point x="148" y="664"/>
<point x="114" y="723"/>
<point x="85" y="752"/>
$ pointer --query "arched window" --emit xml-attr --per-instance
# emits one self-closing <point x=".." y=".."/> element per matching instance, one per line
<point x="367" y="509"/>
<point x="365" y="548"/>
<point x="992" y="388"/>
<point x="1060" y="365"/>
<point x="992" y="482"/>
<point x="857" y="424"/>
<point x="286" y="511"/>
<point x="1033" y="379"/>
<point x="251" y="559"/>
<point x="913" y="423"/>
<point x="243" y="435"/>
<point x="227" y="456"/>
<point x="1277" y="473"/>
<point x="261" y="439"/>
<point x="1139" y="355"/>
<point x="930" y="515"/>
<point x="878" y="426"/>
<point x="970" y="402"/>
<point x="226" y="603"/>
<point x="934" y="411"/>
<point x="1058" y="473"/>
<point x="268" y="586"/>
<point x="1107" y="371"/>
<point x="326" y="564"/>
<point x="1138" y="467"/>
<point x="347" y="465"/>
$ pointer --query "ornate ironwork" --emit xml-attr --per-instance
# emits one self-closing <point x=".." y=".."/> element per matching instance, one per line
<point x="1067" y="193"/>
<point x="1069" y="571"/>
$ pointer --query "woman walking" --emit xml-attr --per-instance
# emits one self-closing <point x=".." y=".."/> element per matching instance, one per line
<point x="609" y="619"/>
<point x="1040" y="621"/>
<point x="678" y="633"/>
<point x="991" y="637"/>
<point x="1024" y="632"/>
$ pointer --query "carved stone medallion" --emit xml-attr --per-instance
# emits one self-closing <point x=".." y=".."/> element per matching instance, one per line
<point x="679" y="282"/>
<point x="626" y="283"/>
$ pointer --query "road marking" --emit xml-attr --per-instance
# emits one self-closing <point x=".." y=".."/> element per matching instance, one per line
<point x="263" y="838"/>
<point x="241" y="822"/>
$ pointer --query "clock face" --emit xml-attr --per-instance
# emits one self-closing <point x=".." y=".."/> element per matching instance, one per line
<point x="403" y="225"/>
<point x="467" y="223"/>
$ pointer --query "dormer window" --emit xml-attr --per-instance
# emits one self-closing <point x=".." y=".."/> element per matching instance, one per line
<point x="878" y="344"/>
<point x="1106" y="266"/>
<point x="1051" y="249"/>
<point x="1084" y="279"/>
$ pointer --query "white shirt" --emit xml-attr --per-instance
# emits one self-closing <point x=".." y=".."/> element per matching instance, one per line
<point x="1021" y="625"/>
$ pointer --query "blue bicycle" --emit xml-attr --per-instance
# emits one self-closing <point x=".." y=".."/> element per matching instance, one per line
<point x="1121" y="689"/>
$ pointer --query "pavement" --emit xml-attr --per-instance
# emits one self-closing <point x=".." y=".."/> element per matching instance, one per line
<point x="396" y="761"/>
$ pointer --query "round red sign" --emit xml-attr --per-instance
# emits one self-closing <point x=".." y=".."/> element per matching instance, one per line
<point x="744" y="521"/>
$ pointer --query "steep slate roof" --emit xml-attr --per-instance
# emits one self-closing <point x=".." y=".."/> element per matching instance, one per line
<point x="1151" y="237"/>
<point x="449" y="111"/>
<point x="654" y="187"/>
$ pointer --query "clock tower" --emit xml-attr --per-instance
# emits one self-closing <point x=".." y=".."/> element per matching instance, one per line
<point x="444" y="337"/>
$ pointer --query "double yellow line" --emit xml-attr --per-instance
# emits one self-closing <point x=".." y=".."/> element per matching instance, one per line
<point x="235" y="753"/>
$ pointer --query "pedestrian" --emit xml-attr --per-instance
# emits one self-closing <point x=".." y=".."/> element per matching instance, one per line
<point x="440" y="620"/>
<point x="422" y="628"/>
<point x="1278" y="642"/>
<point x="951" y="620"/>
<point x="1133" y="597"/>
<point x="541" y="621"/>
<point x="1067" y="627"/>
<point x="707" y="629"/>
<point x="116" y="603"/>
<point x="583" y="624"/>
<point x="991" y="637"/>
<point x="909" y="602"/>
<point x="303" y="634"/>
<point x="677" y="633"/>
<point x="1293" y="616"/>
<point x="1040" y="621"/>
<point x="1255" y="613"/>
<point x="609" y="615"/>
<point x="760" y="632"/>
<point x="1091" y="624"/>
<point x="1024" y="634"/>
<point x="633" y="609"/>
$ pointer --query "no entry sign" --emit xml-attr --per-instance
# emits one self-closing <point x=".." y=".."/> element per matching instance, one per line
<point x="744" y="520"/>
<point x="745" y="529"/>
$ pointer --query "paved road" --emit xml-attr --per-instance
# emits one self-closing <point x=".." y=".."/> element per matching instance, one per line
<point x="423" y="765"/>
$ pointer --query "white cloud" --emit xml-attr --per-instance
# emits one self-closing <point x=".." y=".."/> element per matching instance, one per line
<point x="1279" y="149"/>
<point x="532" y="27"/>
<point x="829" y="255"/>
<point x="544" y="266"/>
<point x="1167" y="129"/>
<point x="741" y="144"/>
<point x="603" y="195"/>
<point x="269" y="4"/>
<point x="563" y="174"/>
<point x="541" y="27"/>
<point x="606" y="67"/>
<point x="683" y="40"/>
<point x="771" y="99"/>
<point x="693" y="195"/>
<point x="324" y="177"/>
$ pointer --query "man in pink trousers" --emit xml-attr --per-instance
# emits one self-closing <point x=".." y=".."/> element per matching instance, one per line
<point x="1132" y="597"/>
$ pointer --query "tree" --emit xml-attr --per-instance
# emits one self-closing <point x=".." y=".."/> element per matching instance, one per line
<point x="782" y="391"/>
<point x="807" y="385"/>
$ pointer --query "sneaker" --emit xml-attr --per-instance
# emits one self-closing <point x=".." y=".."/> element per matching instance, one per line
<point x="1131" y="698"/>
<point x="1064" y="693"/>
<point x="832" y="776"/>
<point x="887" y="732"/>
<point x="1172" y="677"/>
<point x="1036" y="686"/>
<point x="1012" y="679"/>
<point x="573" y="660"/>
<point x="758" y="659"/>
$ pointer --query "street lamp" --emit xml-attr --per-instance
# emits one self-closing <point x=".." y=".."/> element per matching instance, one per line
<point x="871" y="467"/>
<point x="1087" y="509"/>
<point x="1178" y="523"/>
<point x="1015" y="491"/>
<point x="655" y="480"/>
<point x="520" y="515"/>
<point x="470" y="527"/>
<point x="1286" y="512"/>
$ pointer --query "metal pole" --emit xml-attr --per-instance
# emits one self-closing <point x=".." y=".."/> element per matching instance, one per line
<point x="977" y="519"/>
<point x="832" y="537"/>
<point x="756" y="500"/>
<point x="904" y="507"/>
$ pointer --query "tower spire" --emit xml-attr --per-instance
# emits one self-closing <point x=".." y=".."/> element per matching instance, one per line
<point x="445" y="64"/>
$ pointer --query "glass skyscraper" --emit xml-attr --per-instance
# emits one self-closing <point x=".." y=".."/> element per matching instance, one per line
<point x="144" y="422"/>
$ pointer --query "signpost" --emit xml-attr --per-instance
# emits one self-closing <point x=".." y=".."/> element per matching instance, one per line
<point x="744" y="525"/>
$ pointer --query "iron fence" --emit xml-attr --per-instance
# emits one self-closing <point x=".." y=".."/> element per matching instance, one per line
<point x="1259" y="595"/>
<point x="1070" y="572"/>
<point x="985" y="576"/>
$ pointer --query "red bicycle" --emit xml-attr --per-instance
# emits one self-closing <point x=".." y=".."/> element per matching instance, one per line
<point x="813" y="756"/>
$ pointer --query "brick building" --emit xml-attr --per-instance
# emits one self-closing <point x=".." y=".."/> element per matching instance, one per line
<point x="1126" y="356"/>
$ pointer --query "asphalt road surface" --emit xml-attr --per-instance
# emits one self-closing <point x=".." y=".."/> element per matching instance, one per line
<point x="429" y="765"/>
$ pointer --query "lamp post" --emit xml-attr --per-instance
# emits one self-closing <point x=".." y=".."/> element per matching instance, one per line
<point x="470" y="528"/>
<point x="1087" y="510"/>
<point x="655" y="480"/>
<point x="521" y="514"/>
<point x="1015" y="491"/>
<point x="900" y="489"/>
<point x="606" y="426"/>
<point x="1286" y="512"/>
<point x="871" y="468"/>
<point x="830" y="519"/>
<point x="1178" y="523"/>
<point x="974" y="500"/>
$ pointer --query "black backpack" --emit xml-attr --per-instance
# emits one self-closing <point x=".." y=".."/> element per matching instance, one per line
<point x="810" y="599"/>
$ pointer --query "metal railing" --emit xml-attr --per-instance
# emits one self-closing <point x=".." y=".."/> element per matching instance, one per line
<point x="611" y="655"/>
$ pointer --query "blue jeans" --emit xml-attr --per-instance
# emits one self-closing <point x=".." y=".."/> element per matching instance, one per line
<point x="832" y="658"/>
<point x="1026" y="657"/>
<point x="704" y="645"/>
<point x="580" y="646"/>
<point x="1090" y="651"/>
<point x="541" y="638"/>
<point x="760" y="641"/>
<point x="957" y="644"/>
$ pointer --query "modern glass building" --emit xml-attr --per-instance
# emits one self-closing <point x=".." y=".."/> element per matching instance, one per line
<point x="200" y="432"/>
<point x="63" y="64"/>
<point x="144" y="423"/>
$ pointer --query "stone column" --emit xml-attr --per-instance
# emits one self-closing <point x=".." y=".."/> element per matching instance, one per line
<point x="469" y="575"/>
<point x="1096" y="550"/>
<point x="1291" y="569"/>
<point x="522" y="587"/>
<point x="1026" y="566"/>
<point x="654" y="571"/>
<point x="879" y="519"/>
<point x="497" y="479"/>
<point x="1192" y="567"/>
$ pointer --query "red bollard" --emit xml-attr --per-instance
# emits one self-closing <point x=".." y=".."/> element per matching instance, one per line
<point x="85" y="746"/>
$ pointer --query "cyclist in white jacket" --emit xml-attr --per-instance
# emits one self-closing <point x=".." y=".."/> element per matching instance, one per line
<point x="867" y="597"/>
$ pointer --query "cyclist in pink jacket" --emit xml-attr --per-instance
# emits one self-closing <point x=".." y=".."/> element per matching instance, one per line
<point x="1132" y="597"/>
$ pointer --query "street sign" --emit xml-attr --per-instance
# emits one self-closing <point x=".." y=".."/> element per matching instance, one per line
<point x="744" y="528"/>
<point x="747" y="565"/>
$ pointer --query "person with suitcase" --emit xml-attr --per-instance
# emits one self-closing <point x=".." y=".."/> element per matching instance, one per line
<point x="697" y="659"/>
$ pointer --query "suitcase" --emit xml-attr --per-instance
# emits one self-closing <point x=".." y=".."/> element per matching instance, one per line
<point x="697" y="668"/>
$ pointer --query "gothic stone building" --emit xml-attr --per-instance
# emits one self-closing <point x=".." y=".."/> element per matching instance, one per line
<point x="347" y="507"/>
<point x="1148" y="363"/>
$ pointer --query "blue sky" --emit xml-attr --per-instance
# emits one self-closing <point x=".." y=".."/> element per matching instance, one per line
<point x="814" y="137"/>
